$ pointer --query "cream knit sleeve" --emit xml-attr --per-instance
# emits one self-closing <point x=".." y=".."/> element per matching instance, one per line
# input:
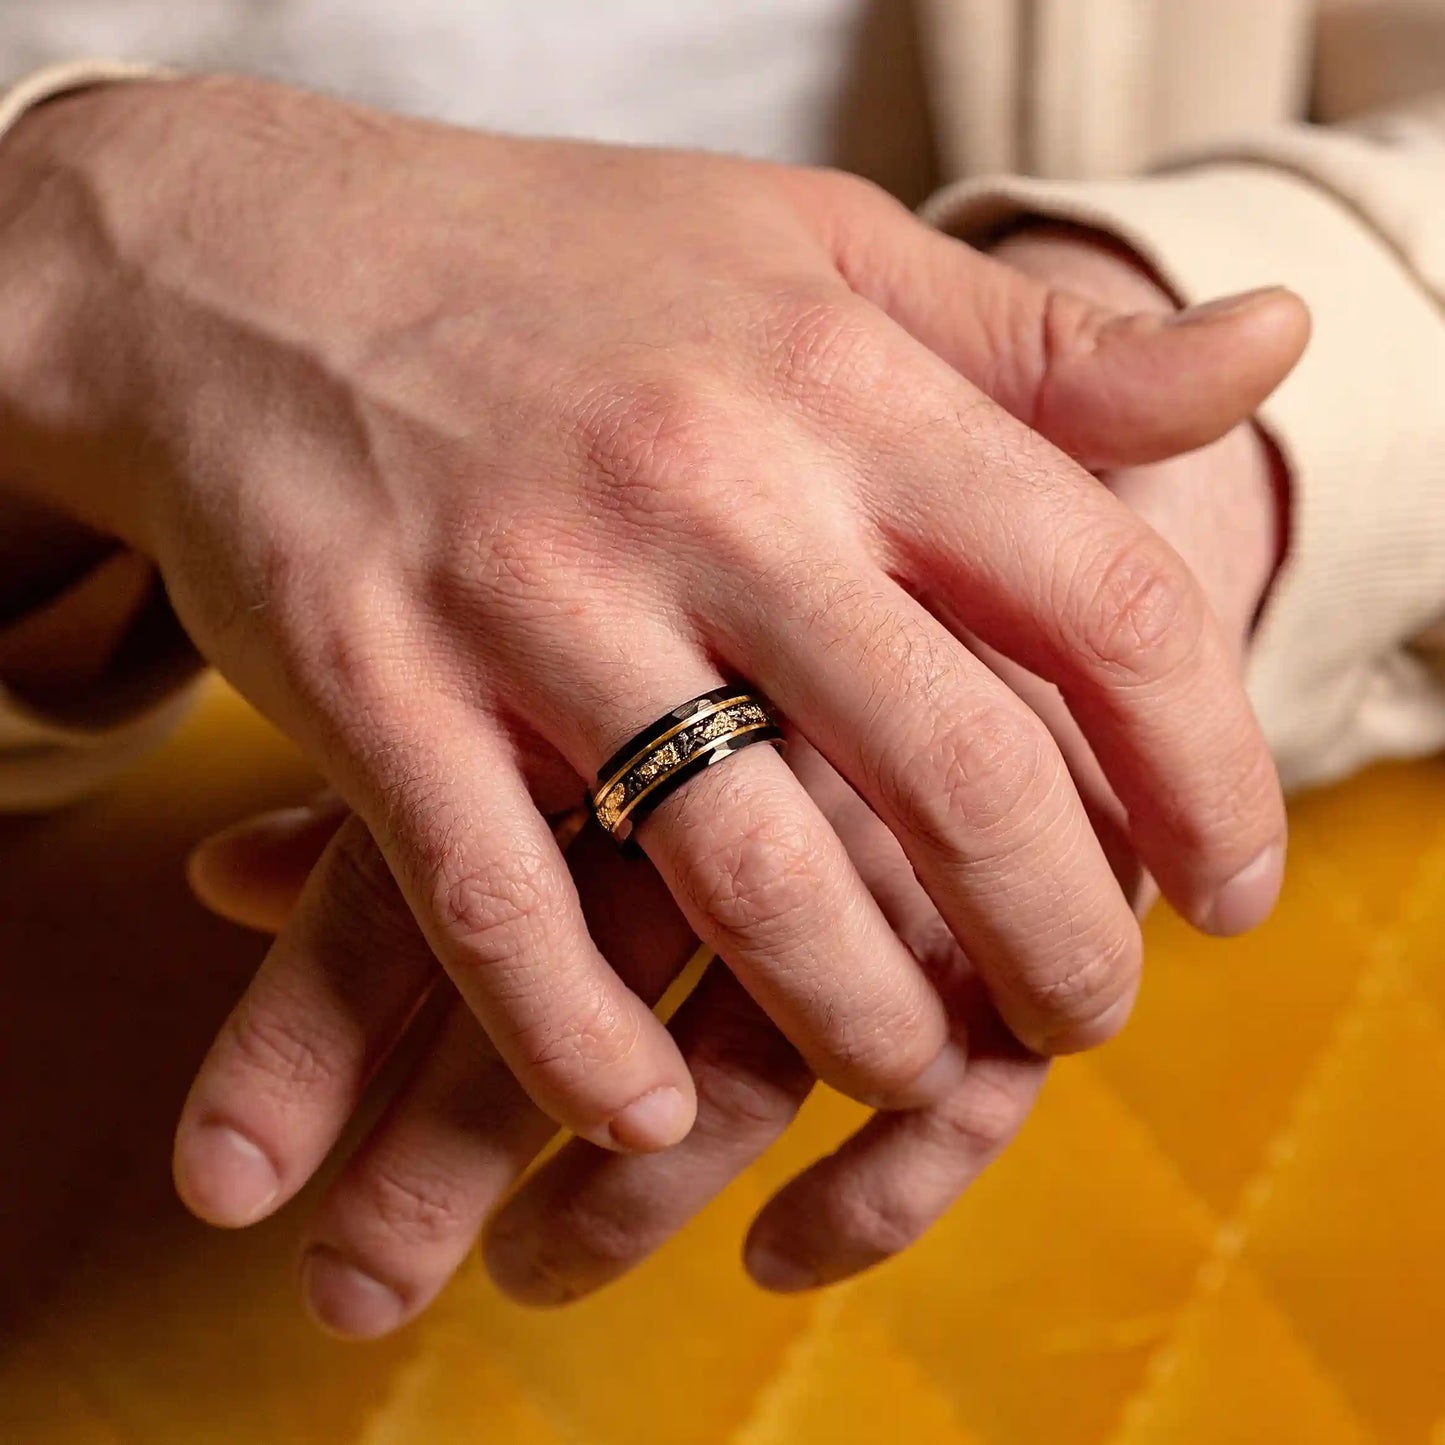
<point x="1348" y="665"/>
<point x="114" y="620"/>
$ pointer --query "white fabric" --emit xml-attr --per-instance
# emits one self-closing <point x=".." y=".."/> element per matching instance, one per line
<point x="756" y="77"/>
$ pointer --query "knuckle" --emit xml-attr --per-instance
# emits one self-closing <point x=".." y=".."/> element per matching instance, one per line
<point x="1035" y="345"/>
<point x="487" y="906"/>
<point x="847" y="188"/>
<point x="500" y="568"/>
<point x="642" y="441"/>
<point x="751" y="1083"/>
<point x="1135" y="613"/>
<point x="877" y="1224"/>
<point x="275" y="1046"/>
<point x="817" y="339"/>
<point x="574" y="1044"/>
<point x="761" y="883"/>
<point x="414" y="1207"/>
<point x="980" y="1122"/>
<point x="1082" y="992"/>
<point x="979" y="780"/>
<point x="608" y="1238"/>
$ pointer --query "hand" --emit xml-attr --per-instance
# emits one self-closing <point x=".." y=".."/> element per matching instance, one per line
<point x="464" y="457"/>
<point x="457" y="1135"/>
<point x="408" y="1205"/>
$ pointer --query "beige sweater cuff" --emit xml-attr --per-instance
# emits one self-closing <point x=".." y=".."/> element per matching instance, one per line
<point x="1361" y="423"/>
<point x="114" y="621"/>
<point x="54" y="80"/>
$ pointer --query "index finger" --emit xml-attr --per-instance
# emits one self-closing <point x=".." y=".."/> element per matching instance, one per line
<point x="1005" y="537"/>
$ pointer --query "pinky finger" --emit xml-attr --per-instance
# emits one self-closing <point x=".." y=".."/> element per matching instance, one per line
<point x="894" y="1178"/>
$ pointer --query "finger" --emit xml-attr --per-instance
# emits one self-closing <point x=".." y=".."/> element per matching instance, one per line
<point x="407" y="1208"/>
<point x="1105" y="812"/>
<point x="405" y="1211"/>
<point x="253" y="872"/>
<point x="895" y="1177"/>
<point x="1026" y="551"/>
<point x="490" y="888"/>
<point x="764" y="881"/>
<point x="884" y="866"/>
<point x="900" y="1171"/>
<point x="1108" y="389"/>
<point x="1110" y="615"/>
<point x="586" y="1217"/>
<point x="336" y="990"/>
<point x="970" y="783"/>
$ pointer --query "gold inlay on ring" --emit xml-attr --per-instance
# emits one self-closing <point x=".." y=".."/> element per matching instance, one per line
<point x="708" y="730"/>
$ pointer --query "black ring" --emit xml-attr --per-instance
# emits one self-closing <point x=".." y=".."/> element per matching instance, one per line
<point x="654" y="763"/>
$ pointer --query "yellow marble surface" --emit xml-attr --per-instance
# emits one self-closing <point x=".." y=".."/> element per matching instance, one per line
<point x="1225" y="1227"/>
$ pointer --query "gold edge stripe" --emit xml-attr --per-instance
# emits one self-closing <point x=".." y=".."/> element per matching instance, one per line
<point x="712" y="745"/>
<point x="605" y="802"/>
<point x="712" y="708"/>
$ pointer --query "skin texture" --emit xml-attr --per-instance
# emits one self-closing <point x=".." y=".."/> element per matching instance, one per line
<point x="455" y="1139"/>
<point x="465" y="457"/>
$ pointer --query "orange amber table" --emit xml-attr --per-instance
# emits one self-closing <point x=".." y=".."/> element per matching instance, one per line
<point x="1225" y="1227"/>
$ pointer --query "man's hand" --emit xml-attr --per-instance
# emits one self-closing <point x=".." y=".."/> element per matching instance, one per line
<point x="466" y="457"/>
<point x="408" y="1205"/>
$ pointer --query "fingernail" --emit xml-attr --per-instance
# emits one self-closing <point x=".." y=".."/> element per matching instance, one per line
<point x="223" y="1177"/>
<point x="219" y="849"/>
<point x="284" y="822"/>
<point x="346" y="1300"/>
<point x="940" y="1079"/>
<point x="1221" y="306"/>
<point x="779" y="1272"/>
<point x="1247" y="899"/>
<point x="658" y="1120"/>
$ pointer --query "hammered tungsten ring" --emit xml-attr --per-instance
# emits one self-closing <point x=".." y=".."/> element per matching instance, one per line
<point x="663" y="756"/>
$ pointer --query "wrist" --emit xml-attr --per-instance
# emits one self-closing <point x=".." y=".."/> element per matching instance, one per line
<point x="68" y="327"/>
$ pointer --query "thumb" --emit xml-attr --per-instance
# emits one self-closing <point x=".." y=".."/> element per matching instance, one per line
<point x="1110" y="388"/>
<point x="253" y="872"/>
